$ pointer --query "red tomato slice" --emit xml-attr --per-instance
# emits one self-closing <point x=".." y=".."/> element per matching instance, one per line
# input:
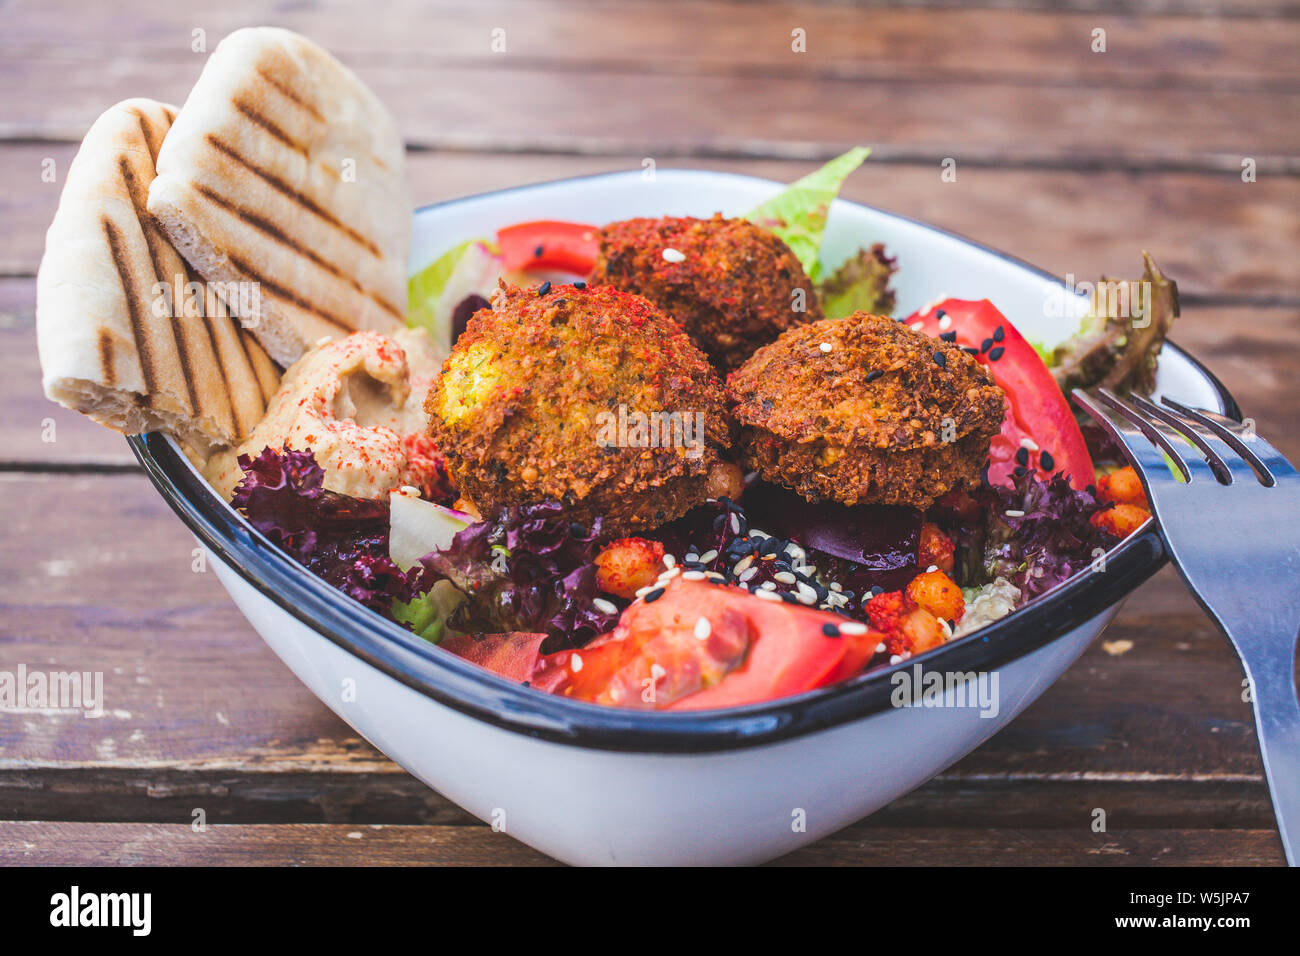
<point x="1037" y="410"/>
<point x="750" y="650"/>
<point x="549" y="245"/>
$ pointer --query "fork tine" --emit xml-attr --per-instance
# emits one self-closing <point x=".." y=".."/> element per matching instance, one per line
<point x="1263" y="457"/>
<point x="1170" y="440"/>
<point x="1218" y="455"/>
<point x="1143" y="447"/>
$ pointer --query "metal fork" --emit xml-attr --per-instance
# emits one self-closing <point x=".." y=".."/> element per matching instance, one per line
<point x="1232" y="527"/>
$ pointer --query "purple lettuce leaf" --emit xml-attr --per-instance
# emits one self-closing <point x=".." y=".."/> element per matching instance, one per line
<point x="528" y="569"/>
<point x="341" y="539"/>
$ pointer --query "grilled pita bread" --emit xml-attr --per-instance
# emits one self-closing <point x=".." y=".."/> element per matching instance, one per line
<point x="125" y="333"/>
<point x="283" y="170"/>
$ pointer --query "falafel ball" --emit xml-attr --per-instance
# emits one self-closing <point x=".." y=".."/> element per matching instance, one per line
<point x="590" y="396"/>
<point x="865" y="409"/>
<point x="730" y="283"/>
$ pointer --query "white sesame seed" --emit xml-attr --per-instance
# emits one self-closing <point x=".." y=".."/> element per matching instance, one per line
<point x="692" y="558"/>
<point x="758" y="535"/>
<point x="1029" y="444"/>
<point x="853" y="628"/>
<point x="931" y="569"/>
<point x="767" y="595"/>
<point x="945" y="323"/>
<point x="324" y="340"/>
<point x="895" y="659"/>
<point x="918" y="326"/>
<point x="669" y="574"/>
<point x="693" y="576"/>
<point x="747" y="575"/>
<point x="669" y="561"/>
<point x="880" y="648"/>
<point x="826" y="346"/>
<point x="715" y="576"/>
<point x="1014" y="513"/>
<point x="836" y="586"/>
<point x="785" y="577"/>
<point x="703" y="629"/>
<point x="947" y="629"/>
<point x="672" y="255"/>
<point x="642" y="592"/>
<point x="410" y="491"/>
<point x="605" y="607"/>
<point x="742" y="566"/>
<point x="735" y="523"/>
<point x="806" y="595"/>
<point x="575" y="663"/>
<point x="768" y="586"/>
<point x="708" y="556"/>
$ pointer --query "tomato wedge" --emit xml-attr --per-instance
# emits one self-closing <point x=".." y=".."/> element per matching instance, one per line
<point x="549" y="244"/>
<point x="1039" y="421"/>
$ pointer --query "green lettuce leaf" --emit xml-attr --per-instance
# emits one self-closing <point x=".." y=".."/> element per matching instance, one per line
<point x="860" y="285"/>
<point x="798" y="213"/>
<point x="426" y="614"/>
<point x="1115" y="351"/>
<point x="433" y="292"/>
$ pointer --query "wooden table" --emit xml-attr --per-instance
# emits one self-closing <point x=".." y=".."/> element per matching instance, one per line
<point x="1073" y="159"/>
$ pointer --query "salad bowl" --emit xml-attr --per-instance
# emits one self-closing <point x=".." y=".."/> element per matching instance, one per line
<point x="599" y="785"/>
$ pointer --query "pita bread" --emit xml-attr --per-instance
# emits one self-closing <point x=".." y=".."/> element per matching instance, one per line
<point x="283" y="170"/>
<point x="125" y="334"/>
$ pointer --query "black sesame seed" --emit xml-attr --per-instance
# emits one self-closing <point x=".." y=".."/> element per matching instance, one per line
<point x="771" y="546"/>
<point x="544" y="288"/>
<point x="877" y="590"/>
<point x="970" y="350"/>
<point x="1021" y="471"/>
<point x="1092" y="490"/>
<point x="580" y="284"/>
<point x="941" y="360"/>
<point x="1046" y="460"/>
<point x="874" y="374"/>
<point x="537" y="253"/>
<point x="939" y="313"/>
<point x="986" y="345"/>
<point x="996" y="354"/>
<point x="830" y="630"/>
<point x="999" y="334"/>
<point x="1022" y="456"/>
<point x="789" y="598"/>
<point x="579" y="530"/>
<point x="948" y="336"/>
<point x="654" y="595"/>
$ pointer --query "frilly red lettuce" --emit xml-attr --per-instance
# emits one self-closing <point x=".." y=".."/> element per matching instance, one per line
<point x="342" y="540"/>
<point x="1052" y="540"/>
<point x="528" y="569"/>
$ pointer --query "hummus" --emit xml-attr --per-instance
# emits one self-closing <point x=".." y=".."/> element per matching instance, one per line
<point x="357" y="404"/>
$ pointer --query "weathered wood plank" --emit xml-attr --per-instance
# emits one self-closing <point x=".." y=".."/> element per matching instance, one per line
<point x="118" y="844"/>
<point x="701" y="36"/>
<point x="134" y="844"/>
<point x="611" y="110"/>
<point x="391" y="796"/>
<point x="1213" y="233"/>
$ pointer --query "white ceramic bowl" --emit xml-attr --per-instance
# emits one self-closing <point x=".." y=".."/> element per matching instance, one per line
<point x="597" y="785"/>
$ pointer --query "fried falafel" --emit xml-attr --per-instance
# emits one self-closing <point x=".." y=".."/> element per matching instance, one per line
<point x="590" y="396"/>
<point x="732" y="285"/>
<point x="865" y="410"/>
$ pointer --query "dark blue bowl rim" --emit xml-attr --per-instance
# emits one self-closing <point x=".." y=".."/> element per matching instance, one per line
<point x="473" y="691"/>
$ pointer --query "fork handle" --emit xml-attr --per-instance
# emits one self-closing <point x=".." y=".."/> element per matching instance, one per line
<point x="1277" y="719"/>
